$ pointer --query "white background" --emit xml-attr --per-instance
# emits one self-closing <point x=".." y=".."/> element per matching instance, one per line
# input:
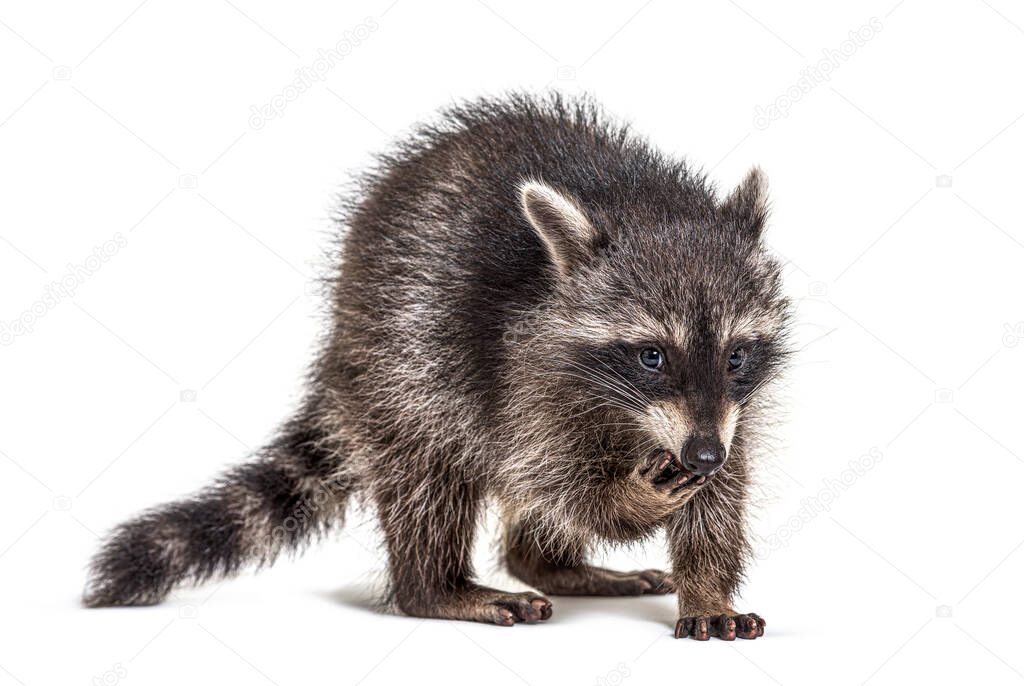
<point x="134" y="120"/>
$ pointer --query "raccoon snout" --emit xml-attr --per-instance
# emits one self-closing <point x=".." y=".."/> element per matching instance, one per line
<point x="703" y="456"/>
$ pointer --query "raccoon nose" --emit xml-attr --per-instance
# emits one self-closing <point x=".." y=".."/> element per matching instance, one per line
<point x="703" y="455"/>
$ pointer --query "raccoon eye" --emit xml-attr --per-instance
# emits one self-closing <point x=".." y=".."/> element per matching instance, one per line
<point x="736" y="359"/>
<point x="652" y="358"/>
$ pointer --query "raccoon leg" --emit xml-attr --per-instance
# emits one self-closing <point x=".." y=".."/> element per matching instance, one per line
<point x="709" y="550"/>
<point x="428" y="521"/>
<point x="292" y="492"/>
<point x="562" y="572"/>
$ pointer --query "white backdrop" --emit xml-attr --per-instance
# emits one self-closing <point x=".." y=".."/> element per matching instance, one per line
<point x="165" y="198"/>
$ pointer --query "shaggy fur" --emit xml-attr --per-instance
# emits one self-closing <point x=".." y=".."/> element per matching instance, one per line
<point x="503" y="276"/>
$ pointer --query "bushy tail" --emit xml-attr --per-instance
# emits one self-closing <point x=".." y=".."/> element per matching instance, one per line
<point x="293" y="492"/>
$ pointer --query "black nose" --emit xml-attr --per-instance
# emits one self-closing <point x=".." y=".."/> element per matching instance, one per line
<point x="703" y="455"/>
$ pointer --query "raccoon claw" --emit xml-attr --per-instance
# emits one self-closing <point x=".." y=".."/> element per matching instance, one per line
<point x="667" y="475"/>
<point x="515" y="608"/>
<point x="657" y="461"/>
<point x="749" y="625"/>
<point x="721" y="626"/>
<point x="698" y="627"/>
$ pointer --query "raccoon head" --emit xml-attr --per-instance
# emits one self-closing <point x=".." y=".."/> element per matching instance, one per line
<point x="665" y="322"/>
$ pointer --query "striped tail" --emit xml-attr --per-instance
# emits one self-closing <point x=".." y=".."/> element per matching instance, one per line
<point x="293" y="492"/>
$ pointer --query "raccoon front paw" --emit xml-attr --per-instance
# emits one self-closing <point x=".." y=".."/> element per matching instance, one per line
<point x="506" y="609"/>
<point x="481" y="604"/>
<point x="724" y="626"/>
<point x="586" y="580"/>
<point x="665" y="473"/>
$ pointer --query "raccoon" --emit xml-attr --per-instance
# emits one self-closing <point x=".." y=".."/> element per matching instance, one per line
<point x="533" y="308"/>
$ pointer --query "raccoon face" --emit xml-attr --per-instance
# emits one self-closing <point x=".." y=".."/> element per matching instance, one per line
<point x="663" y="331"/>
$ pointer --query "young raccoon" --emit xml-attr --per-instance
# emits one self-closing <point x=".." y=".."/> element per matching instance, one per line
<point x="532" y="307"/>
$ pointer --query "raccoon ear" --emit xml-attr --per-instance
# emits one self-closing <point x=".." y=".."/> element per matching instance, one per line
<point x="557" y="218"/>
<point x="748" y="204"/>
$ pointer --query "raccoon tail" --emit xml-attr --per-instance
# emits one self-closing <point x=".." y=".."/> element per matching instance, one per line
<point x="293" y="492"/>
